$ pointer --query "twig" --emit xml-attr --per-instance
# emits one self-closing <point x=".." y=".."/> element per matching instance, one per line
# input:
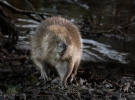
<point x="93" y="22"/>
<point x="2" y="37"/>
<point x="13" y="32"/>
<point x="23" y="12"/>
<point x="33" y="9"/>
<point x="118" y="28"/>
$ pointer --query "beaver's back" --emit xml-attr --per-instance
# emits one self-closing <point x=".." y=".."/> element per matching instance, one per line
<point x="72" y="29"/>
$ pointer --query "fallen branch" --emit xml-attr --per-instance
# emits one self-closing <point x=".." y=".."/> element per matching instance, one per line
<point x="7" y="28"/>
<point x="12" y="33"/>
<point x="118" y="28"/>
<point x="23" y="12"/>
<point x="30" y="13"/>
<point x="33" y="9"/>
<point x="92" y="21"/>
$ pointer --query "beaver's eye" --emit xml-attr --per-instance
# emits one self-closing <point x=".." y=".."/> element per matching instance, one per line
<point x="62" y="45"/>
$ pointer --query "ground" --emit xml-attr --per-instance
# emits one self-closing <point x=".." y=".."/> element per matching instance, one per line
<point x="20" y="80"/>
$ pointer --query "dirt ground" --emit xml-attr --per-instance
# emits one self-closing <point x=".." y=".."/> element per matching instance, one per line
<point x="20" y="80"/>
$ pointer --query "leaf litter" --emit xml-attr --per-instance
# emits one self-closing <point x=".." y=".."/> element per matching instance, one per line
<point x="20" y="80"/>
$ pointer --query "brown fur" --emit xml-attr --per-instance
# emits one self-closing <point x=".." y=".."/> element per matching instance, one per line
<point x="57" y="42"/>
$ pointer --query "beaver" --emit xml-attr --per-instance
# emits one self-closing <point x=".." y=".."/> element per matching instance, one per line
<point x="57" y="42"/>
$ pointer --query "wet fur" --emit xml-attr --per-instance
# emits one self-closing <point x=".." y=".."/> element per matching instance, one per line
<point x="45" y="48"/>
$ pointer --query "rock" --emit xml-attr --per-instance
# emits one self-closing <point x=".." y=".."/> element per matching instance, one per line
<point x="116" y="96"/>
<point x="101" y="67"/>
<point x="11" y="97"/>
<point x="29" y="66"/>
<point x="16" y="63"/>
<point x="126" y="87"/>
<point x="1" y="93"/>
<point x="2" y="98"/>
<point x="1" y="64"/>
<point x="55" y="81"/>
<point x="15" y="56"/>
<point x="131" y="96"/>
<point x="21" y="96"/>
